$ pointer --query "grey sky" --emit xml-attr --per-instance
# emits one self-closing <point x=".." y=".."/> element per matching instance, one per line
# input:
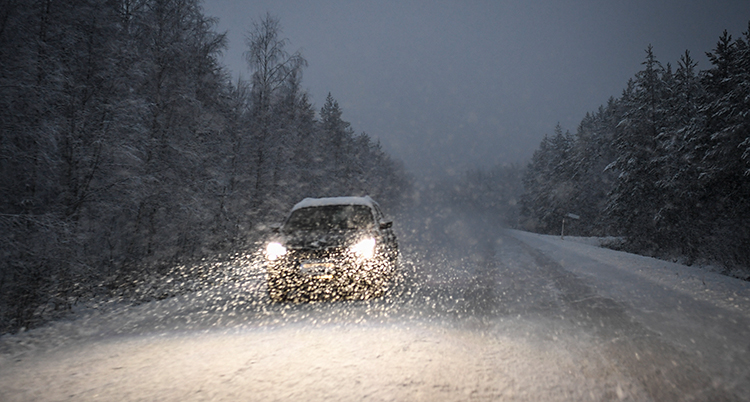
<point x="447" y="85"/>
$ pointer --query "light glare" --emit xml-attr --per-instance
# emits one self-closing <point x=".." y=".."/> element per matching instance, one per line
<point x="274" y="250"/>
<point x="365" y="248"/>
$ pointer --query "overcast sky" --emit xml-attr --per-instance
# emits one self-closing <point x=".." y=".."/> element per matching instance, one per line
<point x="449" y="85"/>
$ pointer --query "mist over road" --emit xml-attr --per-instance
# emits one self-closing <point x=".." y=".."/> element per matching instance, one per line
<point x="481" y="313"/>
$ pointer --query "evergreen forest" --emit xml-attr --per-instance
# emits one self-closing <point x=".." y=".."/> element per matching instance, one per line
<point x="665" y="168"/>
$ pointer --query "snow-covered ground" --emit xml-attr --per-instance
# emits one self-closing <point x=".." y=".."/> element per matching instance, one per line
<point x="484" y="314"/>
<point x="698" y="319"/>
<point x="349" y="362"/>
<point x="582" y="255"/>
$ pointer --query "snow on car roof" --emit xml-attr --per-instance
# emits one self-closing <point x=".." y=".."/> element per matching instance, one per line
<point x="317" y="202"/>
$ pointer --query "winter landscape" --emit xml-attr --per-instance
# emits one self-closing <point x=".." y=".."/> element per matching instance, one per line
<point x="141" y="180"/>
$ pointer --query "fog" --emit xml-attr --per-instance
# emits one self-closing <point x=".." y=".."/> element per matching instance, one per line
<point x="450" y="85"/>
<point x="142" y="195"/>
<point x="481" y="313"/>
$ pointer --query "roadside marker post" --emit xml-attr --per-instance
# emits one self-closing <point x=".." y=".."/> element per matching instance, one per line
<point x="571" y="216"/>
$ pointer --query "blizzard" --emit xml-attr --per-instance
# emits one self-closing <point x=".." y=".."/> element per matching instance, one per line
<point x="498" y="315"/>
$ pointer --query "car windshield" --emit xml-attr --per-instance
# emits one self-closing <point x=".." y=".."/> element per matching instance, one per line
<point x="330" y="217"/>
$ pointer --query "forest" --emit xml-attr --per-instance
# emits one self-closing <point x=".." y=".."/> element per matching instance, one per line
<point x="129" y="158"/>
<point x="665" y="167"/>
<point x="127" y="150"/>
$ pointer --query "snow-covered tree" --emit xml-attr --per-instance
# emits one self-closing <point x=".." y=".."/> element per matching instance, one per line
<point x="677" y="154"/>
<point x="126" y="150"/>
<point x="549" y="192"/>
<point x="634" y="197"/>
<point x="274" y="75"/>
<point x="721" y="145"/>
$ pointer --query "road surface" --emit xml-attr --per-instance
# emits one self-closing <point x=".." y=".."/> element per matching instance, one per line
<point x="482" y="313"/>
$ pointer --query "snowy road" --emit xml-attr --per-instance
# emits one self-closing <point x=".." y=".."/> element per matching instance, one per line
<point x="482" y="314"/>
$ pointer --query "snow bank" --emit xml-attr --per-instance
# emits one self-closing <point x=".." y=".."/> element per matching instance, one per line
<point x="576" y="254"/>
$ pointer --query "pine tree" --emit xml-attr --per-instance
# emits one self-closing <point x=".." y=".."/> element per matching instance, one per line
<point x="549" y="192"/>
<point x="337" y="135"/>
<point x="675" y="165"/>
<point x="722" y="148"/>
<point x="634" y="200"/>
<point x="592" y="181"/>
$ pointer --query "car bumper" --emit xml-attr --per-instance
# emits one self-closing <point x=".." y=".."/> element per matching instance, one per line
<point x="304" y="278"/>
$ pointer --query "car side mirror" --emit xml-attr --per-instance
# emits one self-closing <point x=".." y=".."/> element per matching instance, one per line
<point x="386" y="225"/>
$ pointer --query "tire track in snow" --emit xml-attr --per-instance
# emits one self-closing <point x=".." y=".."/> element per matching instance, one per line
<point x="666" y="373"/>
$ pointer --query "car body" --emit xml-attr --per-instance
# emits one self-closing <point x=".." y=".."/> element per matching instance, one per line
<point x="331" y="248"/>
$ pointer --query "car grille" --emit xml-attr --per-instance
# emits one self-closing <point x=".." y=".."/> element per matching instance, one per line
<point x="316" y="254"/>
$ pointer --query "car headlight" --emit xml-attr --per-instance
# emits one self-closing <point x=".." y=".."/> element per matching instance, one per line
<point x="274" y="250"/>
<point x="365" y="248"/>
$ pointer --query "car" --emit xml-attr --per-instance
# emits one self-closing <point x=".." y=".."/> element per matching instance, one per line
<point x="331" y="249"/>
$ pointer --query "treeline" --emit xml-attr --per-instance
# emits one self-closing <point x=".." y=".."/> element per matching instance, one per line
<point x="666" y="165"/>
<point x="126" y="149"/>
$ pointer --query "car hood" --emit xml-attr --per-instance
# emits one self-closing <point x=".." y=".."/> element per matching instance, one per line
<point x="322" y="240"/>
